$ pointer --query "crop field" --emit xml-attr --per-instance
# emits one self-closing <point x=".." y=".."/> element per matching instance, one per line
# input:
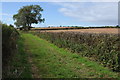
<point x="95" y="30"/>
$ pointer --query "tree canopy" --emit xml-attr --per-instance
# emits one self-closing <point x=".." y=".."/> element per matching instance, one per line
<point x="28" y="15"/>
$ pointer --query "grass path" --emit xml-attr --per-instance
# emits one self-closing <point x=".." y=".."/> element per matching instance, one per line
<point x="49" y="61"/>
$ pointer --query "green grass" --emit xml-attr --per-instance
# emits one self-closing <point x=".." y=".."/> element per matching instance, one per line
<point x="19" y="65"/>
<point x="49" y="61"/>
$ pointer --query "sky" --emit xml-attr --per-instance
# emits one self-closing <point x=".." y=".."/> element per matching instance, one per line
<point x="67" y="13"/>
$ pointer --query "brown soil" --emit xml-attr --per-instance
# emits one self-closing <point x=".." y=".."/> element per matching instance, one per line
<point x="95" y="30"/>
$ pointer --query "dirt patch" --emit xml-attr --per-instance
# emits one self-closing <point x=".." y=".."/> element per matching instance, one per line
<point x="34" y="69"/>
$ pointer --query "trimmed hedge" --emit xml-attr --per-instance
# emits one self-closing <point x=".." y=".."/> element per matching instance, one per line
<point x="103" y="48"/>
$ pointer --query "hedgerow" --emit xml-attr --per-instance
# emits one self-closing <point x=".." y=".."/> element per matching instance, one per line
<point x="9" y="39"/>
<point x="103" y="48"/>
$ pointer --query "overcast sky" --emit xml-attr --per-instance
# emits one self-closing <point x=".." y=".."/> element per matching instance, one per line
<point x="68" y="13"/>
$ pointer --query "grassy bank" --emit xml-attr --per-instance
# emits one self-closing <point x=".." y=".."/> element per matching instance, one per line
<point x="49" y="61"/>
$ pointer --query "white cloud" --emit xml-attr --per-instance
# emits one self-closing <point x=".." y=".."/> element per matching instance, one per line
<point x="96" y="12"/>
<point x="6" y="18"/>
<point x="5" y="14"/>
<point x="39" y="25"/>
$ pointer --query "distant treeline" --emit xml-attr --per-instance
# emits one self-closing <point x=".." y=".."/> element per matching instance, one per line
<point x="72" y="27"/>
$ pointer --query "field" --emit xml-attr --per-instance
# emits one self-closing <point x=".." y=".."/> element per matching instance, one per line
<point x="65" y="44"/>
<point x="100" y="44"/>
<point x="95" y="30"/>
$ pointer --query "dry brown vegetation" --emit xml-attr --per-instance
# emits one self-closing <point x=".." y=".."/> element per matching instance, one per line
<point x="95" y="30"/>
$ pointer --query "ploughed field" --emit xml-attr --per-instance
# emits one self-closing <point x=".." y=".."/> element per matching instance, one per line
<point x="95" y="30"/>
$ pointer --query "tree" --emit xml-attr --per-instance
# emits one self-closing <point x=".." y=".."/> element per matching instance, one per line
<point x="11" y="25"/>
<point x="28" y="15"/>
<point x="118" y="26"/>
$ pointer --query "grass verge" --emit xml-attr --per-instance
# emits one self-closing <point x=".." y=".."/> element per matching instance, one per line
<point x="54" y="62"/>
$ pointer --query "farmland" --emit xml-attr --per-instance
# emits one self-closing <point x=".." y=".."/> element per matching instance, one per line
<point x="65" y="54"/>
<point x="94" y="30"/>
<point x="74" y="41"/>
<point x="100" y="44"/>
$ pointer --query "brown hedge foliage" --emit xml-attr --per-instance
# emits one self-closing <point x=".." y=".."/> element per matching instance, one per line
<point x="103" y="48"/>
